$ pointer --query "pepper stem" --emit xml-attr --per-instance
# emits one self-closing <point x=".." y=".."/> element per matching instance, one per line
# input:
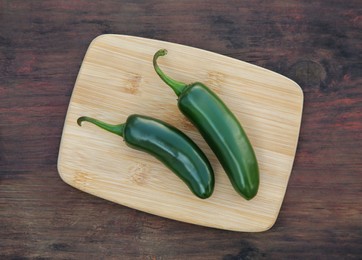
<point x="115" y="129"/>
<point x="177" y="87"/>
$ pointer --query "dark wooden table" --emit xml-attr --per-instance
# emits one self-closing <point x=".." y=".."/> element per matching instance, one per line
<point x="316" y="43"/>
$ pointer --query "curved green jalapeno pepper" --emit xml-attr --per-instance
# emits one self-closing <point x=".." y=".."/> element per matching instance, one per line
<point x="220" y="129"/>
<point x="169" y="145"/>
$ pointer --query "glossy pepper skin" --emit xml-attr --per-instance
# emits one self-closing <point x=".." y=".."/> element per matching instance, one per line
<point x="169" y="145"/>
<point x="220" y="129"/>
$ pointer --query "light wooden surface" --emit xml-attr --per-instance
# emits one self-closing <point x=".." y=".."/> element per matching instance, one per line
<point x="117" y="79"/>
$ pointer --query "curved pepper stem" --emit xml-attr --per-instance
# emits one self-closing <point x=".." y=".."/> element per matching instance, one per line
<point x="115" y="129"/>
<point x="177" y="87"/>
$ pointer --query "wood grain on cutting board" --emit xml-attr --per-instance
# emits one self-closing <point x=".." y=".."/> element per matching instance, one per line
<point x="117" y="79"/>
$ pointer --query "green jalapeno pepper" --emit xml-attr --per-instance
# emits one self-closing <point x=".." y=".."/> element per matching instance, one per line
<point x="169" y="145"/>
<point x="220" y="129"/>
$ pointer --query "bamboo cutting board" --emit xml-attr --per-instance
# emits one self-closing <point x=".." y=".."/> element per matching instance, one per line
<point x="117" y="79"/>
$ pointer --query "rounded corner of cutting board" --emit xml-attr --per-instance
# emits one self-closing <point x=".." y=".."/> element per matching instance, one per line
<point x="299" y="90"/>
<point x="100" y="38"/>
<point x="269" y="225"/>
<point x="60" y="165"/>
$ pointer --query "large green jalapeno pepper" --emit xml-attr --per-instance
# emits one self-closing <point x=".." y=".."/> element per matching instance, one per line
<point x="169" y="145"/>
<point x="220" y="129"/>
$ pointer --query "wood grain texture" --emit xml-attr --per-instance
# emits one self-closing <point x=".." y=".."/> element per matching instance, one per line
<point x="117" y="79"/>
<point x="315" y="43"/>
